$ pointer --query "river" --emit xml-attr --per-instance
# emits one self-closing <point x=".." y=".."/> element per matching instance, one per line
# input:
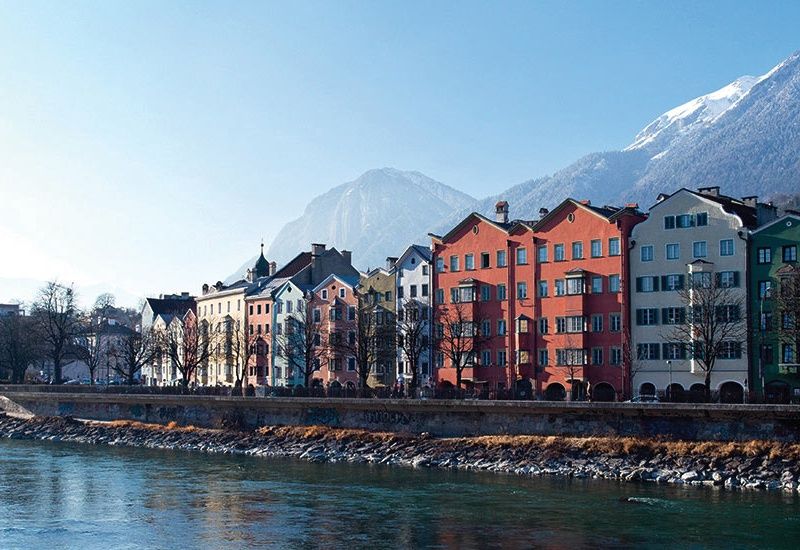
<point x="57" y="495"/>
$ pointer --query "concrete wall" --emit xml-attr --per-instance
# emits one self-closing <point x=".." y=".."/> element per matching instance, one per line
<point x="440" y="418"/>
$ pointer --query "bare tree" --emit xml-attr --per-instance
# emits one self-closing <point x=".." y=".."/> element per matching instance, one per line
<point x="303" y="343"/>
<point x="713" y="326"/>
<point x="131" y="352"/>
<point x="89" y="348"/>
<point x="19" y="346"/>
<point x="242" y="350"/>
<point x="412" y="337"/>
<point x="188" y="346"/>
<point x="573" y="361"/>
<point x="459" y="336"/>
<point x="787" y="305"/>
<point x="103" y="307"/>
<point x="361" y="340"/>
<point x="58" y="319"/>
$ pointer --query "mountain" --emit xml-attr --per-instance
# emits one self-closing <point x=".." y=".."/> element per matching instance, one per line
<point x="743" y="137"/>
<point x="377" y="215"/>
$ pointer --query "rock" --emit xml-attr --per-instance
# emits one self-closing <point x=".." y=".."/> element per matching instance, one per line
<point x="690" y="476"/>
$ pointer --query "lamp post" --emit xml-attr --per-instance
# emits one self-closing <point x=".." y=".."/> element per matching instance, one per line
<point x="669" y="388"/>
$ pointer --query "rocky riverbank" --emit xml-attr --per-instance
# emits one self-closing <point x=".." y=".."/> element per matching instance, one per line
<point x="753" y="465"/>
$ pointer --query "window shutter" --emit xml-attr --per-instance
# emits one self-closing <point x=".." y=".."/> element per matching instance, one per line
<point x="638" y="316"/>
<point x="664" y="281"/>
<point x="664" y="315"/>
<point x="736" y="278"/>
<point x="718" y="279"/>
<point x="680" y="282"/>
<point x="655" y="284"/>
<point x="665" y="350"/>
<point x="638" y="284"/>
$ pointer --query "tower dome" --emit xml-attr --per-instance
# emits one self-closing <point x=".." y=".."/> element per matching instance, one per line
<point x="261" y="267"/>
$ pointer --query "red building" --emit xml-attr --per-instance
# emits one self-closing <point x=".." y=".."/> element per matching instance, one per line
<point x="483" y="278"/>
<point x="581" y="306"/>
<point x="333" y="308"/>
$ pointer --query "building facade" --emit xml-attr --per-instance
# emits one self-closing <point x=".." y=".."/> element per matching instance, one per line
<point x="413" y="297"/>
<point x="690" y="240"/>
<point x="581" y="300"/>
<point x="774" y="302"/>
<point x="377" y="290"/>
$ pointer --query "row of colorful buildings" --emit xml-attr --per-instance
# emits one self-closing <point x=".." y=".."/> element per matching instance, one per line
<point x="585" y="302"/>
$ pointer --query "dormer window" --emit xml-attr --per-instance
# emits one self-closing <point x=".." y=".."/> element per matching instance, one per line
<point x="324" y="293"/>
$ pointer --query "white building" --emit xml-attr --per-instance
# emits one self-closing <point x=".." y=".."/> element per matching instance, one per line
<point x="413" y="270"/>
<point x="687" y="235"/>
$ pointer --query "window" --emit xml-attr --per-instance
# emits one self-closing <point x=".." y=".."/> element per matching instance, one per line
<point x="614" y="322"/>
<point x="764" y="255"/>
<point x="765" y="290"/>
<point x="727" y="314"/>
<point x="684" y="221"/>
<point x="647" y="352"/>
<point x="541" y="254"/>
<point x="501" y="258"/>
<point x="542" y="289"/>
<point x="501" y="327"/>
<point x="790" y="253"/>
<point x="501" y="358"/>
<point x="673" y="315"/>
<point x="597" y="356"/>
<point x="251" y="309"/>
<point x="766" y="321"/>
<point x="400" y="292"/>
<point x="646" y="284"/>
<point x="699" y="249"/>
<point x="597" y="284"/>
<point x="486" y="357"/>
<point x="616" y="356"/>
<point x="673" y="251"/>
<point x="453" y="263"/>
<point x="439" y="295"/>
<point x="613" y="283"/>
<point x="484" y="260"/>
<point x="558" y="252"/>
<point x="575" y="286"/>
<point x="523" y="326"/>
<point x="673" y="351"/>
<point x="454" y="296"/>
<point x="501" y="291"/>
<point x="730" y="350"/>
<point x="469" y="262"/>
<point x="317" y="315"/>
<point x="701" y="219"/>
<point x="597" y="248"/>
<point x="544" y="327"/>
<point x="701" y="280"/>
<point x="647" y="316"/>
<point x="672" y="282"/>
<point x="486" y="293"/>
<point x="726" y="247"/>
<point x="572" y="324"/>
<point x="787" y="353"/>
<point x="486" y="327"/>
<point x="597" y="322"/>
<point x="523" y="357"/>
<point x="439" y="265"/>
<point x="728" y="279"/>
<point x="289" y="306"/>
<point x="522" y="290"/>
<point x="544" y="358"/>
<point x="279" y="307"/>
<point x="767" y="354"/>
<point x="522" y="256"/>
<point x="324" y="293"/>
<point x="571" y="357"/>
<point x="613" y="246"/>
<point x="561" y="288"/>
<point x="351" y="364"/>
<point x="412" y="291"/>
<point x="351" y="313"/>
<point x="577" y="250"/>
<point x="647" y="253"/>
<point x="669" y="222"/>
<point x="425" y="289"/>
<point x="424" y="269"/>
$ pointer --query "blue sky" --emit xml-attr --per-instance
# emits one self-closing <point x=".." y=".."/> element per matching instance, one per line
<point x="150" y="145"/>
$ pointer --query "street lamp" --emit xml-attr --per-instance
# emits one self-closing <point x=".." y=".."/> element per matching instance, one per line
<point x="669" y="388"/>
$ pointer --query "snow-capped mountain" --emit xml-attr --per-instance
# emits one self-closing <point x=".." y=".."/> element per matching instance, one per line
<point x="744" y="137"/>
<point x="375" y="216"/>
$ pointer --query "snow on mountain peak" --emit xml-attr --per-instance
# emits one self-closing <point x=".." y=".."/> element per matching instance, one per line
<point x="699" y="112"/>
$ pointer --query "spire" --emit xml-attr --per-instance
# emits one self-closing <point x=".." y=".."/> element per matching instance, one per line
<point x="261" y="267"/>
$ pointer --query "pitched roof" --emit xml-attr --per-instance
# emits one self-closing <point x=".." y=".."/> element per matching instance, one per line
<point x="506" y="227"/>
<point x="171" y="306"/>
<point x="295" y="265"/>
<point x="747" y="214"/>
<point x="607" y="212"/>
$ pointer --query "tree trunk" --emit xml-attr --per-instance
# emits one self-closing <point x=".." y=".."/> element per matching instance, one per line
<point x="708" y="386"/>
<point x="412" y="390"/>
<point x="56" y="370"/>
<point x="458" y="382"/>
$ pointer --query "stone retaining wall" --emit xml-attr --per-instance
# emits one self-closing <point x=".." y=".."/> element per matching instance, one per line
<point x="436" y="417"/>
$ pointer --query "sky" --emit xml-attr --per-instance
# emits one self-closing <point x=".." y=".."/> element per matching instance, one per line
<point x="148" y="147"/>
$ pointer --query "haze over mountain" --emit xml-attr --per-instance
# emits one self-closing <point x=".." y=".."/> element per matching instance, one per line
<point x="744" y="137"/>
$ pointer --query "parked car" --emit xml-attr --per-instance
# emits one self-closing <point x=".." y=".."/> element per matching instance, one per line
<point x="645" y="399"/>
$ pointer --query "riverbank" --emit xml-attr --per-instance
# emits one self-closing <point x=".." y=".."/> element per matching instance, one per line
<point x="759" y="465"/>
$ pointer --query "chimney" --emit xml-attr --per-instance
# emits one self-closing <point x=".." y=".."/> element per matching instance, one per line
<point x="251" y="276"/>
<point x="543" y="212"/>
<point x="586" y="202"/>
<point x="317" y="249"/>
<point x="391" y="261"/>
<point x="710" y="191"/>
<point x="205" y="289"/>
<point x="634" y="205"/>
<point x="184" y="295"/>
<point x="750" y="201"/>
<point x="273" y="267"/>
<point x="348" y="256"/>
<point x="501" y="212"/>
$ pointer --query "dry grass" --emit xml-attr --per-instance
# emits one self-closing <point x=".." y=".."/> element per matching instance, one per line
<point x="170" y="427"/>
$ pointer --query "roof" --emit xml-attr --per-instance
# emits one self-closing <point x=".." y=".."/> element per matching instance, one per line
<point x="295" y="265"/>
<point x="352" y="282"/>
<point x="786" y="217"/>
<point x="609" y="213"/>
<point x="171" y="306"/>
<point x="506" y="227"/>
<point x="747" y="214"/>
<point x="261" y="267"/>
